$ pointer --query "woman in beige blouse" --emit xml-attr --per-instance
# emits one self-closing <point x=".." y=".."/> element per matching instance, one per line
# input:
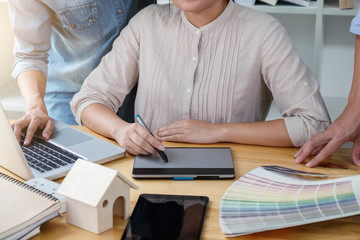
<point x="207" y="71"/>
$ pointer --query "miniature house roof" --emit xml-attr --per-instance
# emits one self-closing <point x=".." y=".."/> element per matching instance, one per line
<point x="87" y="182"/>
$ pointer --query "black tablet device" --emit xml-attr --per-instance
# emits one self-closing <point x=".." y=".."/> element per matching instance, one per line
<point x="187" y="163"/>
<point x="167" y="217"/>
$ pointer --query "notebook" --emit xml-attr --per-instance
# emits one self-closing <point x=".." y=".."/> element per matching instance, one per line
<point x="70" y="142"/>
<point x="187" y="163"/>
<point x="23" y="208"/>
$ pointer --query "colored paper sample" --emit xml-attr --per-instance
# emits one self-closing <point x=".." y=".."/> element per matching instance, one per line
<point x="263" y="200"/>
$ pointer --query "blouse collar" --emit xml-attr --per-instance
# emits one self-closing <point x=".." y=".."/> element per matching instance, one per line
<point x="213" y="24"/>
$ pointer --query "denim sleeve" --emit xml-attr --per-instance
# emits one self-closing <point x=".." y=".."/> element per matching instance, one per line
<point x="31" y="25"/>
<point x="355" y="24"/>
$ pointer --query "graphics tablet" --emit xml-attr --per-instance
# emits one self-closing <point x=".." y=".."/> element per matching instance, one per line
<point x="167" y="217"/>
<point x="187" y="163"/>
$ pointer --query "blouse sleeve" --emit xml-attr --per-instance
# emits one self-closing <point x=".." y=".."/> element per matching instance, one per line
<point x="117" y="73"/>
<point x="294" y="87"/>
<point x="31" y="25"/>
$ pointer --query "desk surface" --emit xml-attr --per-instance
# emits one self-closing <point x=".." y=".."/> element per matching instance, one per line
<point x="246" y="158"/>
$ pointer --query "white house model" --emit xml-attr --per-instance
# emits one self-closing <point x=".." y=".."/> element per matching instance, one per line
<point x="95" y="193"/>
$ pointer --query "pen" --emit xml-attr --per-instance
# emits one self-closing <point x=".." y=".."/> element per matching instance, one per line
<point x="139" y="120"/>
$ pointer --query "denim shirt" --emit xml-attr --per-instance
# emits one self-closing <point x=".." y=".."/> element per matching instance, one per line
<point x="65" y="39"/>
<point x="355" y="24"/>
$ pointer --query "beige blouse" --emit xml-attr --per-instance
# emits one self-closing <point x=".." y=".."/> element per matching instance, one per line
<point x="226" y="71"/>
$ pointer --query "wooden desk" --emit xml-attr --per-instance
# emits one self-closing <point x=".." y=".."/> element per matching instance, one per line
<point x="246" y="158"/>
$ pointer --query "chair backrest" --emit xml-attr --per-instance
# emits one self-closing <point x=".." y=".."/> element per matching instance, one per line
<point x="126" y="111"/>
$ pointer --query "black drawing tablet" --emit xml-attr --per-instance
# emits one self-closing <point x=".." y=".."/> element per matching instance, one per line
<point x="187" y="163"/>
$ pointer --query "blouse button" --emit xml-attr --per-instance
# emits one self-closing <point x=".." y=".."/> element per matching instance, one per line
<point x="188" y="90"/>
<point x="306" y="84"/>
<point x="119" y="11"/>
<point x="194" y="59"/>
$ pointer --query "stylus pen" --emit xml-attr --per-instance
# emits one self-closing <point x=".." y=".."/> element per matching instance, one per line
<point x="139" y="120"/>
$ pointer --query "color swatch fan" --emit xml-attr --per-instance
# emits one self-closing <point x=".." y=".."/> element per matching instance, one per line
<point x="264" y="199"/>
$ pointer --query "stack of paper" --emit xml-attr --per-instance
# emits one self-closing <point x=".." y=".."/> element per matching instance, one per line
<point x="264" y="199"/>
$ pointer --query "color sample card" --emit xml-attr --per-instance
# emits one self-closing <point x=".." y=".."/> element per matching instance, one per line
<point x="263" y="199"/>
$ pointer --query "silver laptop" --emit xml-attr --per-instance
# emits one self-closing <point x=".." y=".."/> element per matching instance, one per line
<point x="54" y="158"/>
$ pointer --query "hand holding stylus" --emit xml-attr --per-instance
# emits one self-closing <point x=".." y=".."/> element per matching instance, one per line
<point x="142" y="123"/>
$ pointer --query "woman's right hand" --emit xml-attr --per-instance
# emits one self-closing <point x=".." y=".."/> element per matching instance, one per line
<point x="133" y="137"/>
<point x="137" y="140"/>
<point x="33" y="120"/>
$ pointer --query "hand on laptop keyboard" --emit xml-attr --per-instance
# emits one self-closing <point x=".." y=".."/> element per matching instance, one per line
<point x="46" y="156"/>
<point x="32" y="124"/>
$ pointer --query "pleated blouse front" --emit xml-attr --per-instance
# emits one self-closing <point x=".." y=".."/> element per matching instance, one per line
<point x="226" y="71"/>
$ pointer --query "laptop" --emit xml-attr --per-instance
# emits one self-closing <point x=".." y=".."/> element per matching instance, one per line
<point x="54" y="158"/>
<point x="187" y="163"/>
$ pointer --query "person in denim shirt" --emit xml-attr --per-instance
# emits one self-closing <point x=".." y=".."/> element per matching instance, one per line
<point x="346" y="128"/>
<point x="57" y="44"/>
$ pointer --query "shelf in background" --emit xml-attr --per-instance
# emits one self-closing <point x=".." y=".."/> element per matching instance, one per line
<point x="163" y="1"/>
<point x="331" y="8"/>
<point x="285" y="8"/>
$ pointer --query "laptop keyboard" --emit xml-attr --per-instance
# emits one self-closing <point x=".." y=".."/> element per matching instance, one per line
<point x="45" y="156"/>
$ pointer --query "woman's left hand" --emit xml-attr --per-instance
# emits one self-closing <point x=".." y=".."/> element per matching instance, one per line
<point x="189" y="130"/>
